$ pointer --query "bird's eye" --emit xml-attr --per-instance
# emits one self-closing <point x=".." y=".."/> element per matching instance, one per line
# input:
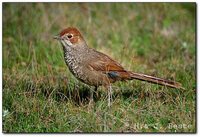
<point x="69" y="36"/>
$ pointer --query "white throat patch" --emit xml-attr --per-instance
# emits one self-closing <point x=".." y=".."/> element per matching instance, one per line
<point x="68" y="42"/>
<point x="64" y="42"/>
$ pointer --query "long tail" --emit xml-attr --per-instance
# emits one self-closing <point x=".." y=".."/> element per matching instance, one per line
<point x="155" y="80"/>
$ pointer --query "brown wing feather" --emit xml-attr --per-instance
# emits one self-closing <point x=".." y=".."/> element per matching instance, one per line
<point x="104" y="63"/>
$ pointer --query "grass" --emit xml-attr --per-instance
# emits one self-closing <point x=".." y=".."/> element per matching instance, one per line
<point x="40" y="94"/>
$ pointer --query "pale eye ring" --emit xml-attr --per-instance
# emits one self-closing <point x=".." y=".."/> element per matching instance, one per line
<point x="69" y="36"/>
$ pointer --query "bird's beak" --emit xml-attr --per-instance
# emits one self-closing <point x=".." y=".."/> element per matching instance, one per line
<point x="57" y="37"/>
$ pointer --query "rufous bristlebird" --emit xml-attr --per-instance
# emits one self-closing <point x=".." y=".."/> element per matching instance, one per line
<point x="95" y="68"/>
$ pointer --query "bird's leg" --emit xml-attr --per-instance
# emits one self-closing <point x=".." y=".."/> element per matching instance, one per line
<point x="109" y="95"/>
<point x="92" y="94"/>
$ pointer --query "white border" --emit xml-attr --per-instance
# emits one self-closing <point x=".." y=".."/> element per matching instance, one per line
<point x="99" y="1"/>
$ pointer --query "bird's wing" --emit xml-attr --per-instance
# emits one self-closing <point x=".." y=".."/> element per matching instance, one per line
<point x="104" y="63"/>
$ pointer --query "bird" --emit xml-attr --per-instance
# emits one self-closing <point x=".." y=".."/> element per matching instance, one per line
<point x="95" y="68"/>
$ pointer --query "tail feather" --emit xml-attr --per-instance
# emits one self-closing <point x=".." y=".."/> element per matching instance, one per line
<point x="155" y="80"/>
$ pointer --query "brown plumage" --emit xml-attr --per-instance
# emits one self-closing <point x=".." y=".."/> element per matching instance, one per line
<point x="95" y="68"/>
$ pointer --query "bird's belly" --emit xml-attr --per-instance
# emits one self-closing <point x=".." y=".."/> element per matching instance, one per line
<point x="85" y="75"/>
<point x="95" y="78"/>
<point x="75" y="69"/>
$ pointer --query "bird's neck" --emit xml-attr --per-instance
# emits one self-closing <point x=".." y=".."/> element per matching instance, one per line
<point x="75" y="48"/>
<point x="75" y="51"/>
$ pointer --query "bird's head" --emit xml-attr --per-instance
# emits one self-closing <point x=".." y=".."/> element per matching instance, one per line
<point x="71" y="37"/>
